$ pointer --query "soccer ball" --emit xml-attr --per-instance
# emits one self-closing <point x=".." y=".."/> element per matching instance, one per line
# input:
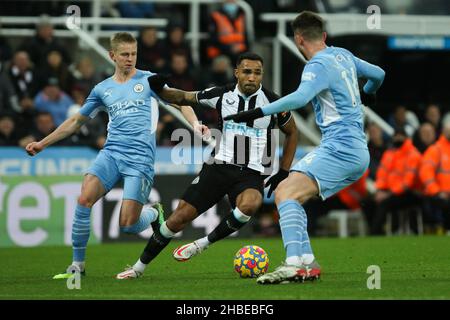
<point x="251" y="262"/>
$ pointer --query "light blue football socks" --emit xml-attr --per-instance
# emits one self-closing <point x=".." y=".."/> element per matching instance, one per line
<point x="80" y="232"/>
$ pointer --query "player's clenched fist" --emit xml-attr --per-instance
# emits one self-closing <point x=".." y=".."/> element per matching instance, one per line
<point x="33" y="148"/>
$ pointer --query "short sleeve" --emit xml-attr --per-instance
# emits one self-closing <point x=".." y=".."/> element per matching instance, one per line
<point x="92" y="104"/>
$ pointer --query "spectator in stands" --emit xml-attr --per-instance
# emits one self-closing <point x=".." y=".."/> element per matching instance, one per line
<point x="435" y="176"/>
<point x="220" y="73"/>
<point x="85" y="76"/>
<point x="43" y="126"/>
<point x="53" y="100"/>
<point x="424" y="137"/>
<point x="176" y="42"/>
<point x="397" y="180"/>
<point x="227" y="32"/>
<point x="151" y="51"/>
<point x="92" y="133"/>
<point x="8" y="132"/>
<point x="22" y="76"/>
<point x="377" y="146"/>
<point x="180" y="74"/>
<point x="433" y="116"/>
<point x="404" y="118"/>
<point x="44" y="42"/>
<point x="55" y="68"/>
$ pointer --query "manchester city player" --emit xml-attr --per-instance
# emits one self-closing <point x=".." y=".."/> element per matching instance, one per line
<point x="129" y="151"/>
<point x="330" y="81"/>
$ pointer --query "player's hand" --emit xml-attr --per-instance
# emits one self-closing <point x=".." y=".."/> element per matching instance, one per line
<point x="33" y="148"/>
<point x="202" y="130"/>
<point x="158" y="81"/>
<point x="275" y="180"/>
<point x="246" y="115"/>
<point x="369" y="100"/>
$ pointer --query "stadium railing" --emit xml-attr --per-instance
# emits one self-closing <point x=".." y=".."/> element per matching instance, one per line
<point x="95" y="22"/>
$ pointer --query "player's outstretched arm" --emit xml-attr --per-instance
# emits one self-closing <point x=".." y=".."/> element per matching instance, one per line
<point x="314" y="80"/>
<point x="292" y="101"/>
<point x="66" y="129"/>
<point x="158" y="83"/>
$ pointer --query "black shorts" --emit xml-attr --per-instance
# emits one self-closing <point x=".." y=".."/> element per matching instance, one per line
<point x="216" y="180"/>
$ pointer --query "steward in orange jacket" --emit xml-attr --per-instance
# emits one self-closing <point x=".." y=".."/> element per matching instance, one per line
<point x="397" y="181"/>
<point x="398" y="170"/>
<point x="434" y="171"/>
<point x="227" y="32"/>
<point x="435" y="175"/>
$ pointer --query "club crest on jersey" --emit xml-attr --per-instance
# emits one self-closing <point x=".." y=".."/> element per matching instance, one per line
<point x="229" y="101"/>
<point x="138" y="88"/>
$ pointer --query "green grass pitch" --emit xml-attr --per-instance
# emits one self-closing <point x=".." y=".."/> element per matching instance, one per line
<point x="411" y="268"/>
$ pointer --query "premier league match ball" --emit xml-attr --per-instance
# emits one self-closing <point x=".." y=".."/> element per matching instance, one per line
<point x="251" y="262"/>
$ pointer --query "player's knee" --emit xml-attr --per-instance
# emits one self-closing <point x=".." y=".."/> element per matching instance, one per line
<point x="282" y="193"/>
<point x="127" y="221"/>
<point x="249" y="207"/>
<point x="86" y="201"/>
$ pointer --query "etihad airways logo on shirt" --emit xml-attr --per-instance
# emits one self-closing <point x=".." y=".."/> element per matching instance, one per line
<point x="308" y="76"/>
<point x="125" y="106"/>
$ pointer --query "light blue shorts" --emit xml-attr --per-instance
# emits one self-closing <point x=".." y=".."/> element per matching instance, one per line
<point x="109" y="169"/>
<point x="333" y="167"/>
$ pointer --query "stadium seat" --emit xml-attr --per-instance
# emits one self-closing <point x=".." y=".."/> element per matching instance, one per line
<point x="404" y="222"/>
<point x="343" y="217"/>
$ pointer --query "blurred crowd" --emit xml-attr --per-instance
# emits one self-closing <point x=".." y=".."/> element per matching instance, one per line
<point x="42" y="83"/>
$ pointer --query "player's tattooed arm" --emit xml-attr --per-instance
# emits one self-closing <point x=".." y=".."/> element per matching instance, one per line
<point x="179" y="97"/>
<point x="158" y="83"/>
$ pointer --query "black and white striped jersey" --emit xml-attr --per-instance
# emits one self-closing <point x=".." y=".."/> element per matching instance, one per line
<point x="245" y="144"/>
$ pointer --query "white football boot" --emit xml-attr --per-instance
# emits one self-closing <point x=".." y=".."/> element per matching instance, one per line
<point x="187" y="251"/>
<point x="129" y="273"/>
<point x="283" y="274"/>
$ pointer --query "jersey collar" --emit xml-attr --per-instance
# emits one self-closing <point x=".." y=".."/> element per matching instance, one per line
<point x="238" y="92"/>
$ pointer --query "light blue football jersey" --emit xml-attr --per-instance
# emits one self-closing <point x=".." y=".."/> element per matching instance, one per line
<point x="132" y="119"/>
<point x="338" y="108"/>
<point x="330" y="81"/>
